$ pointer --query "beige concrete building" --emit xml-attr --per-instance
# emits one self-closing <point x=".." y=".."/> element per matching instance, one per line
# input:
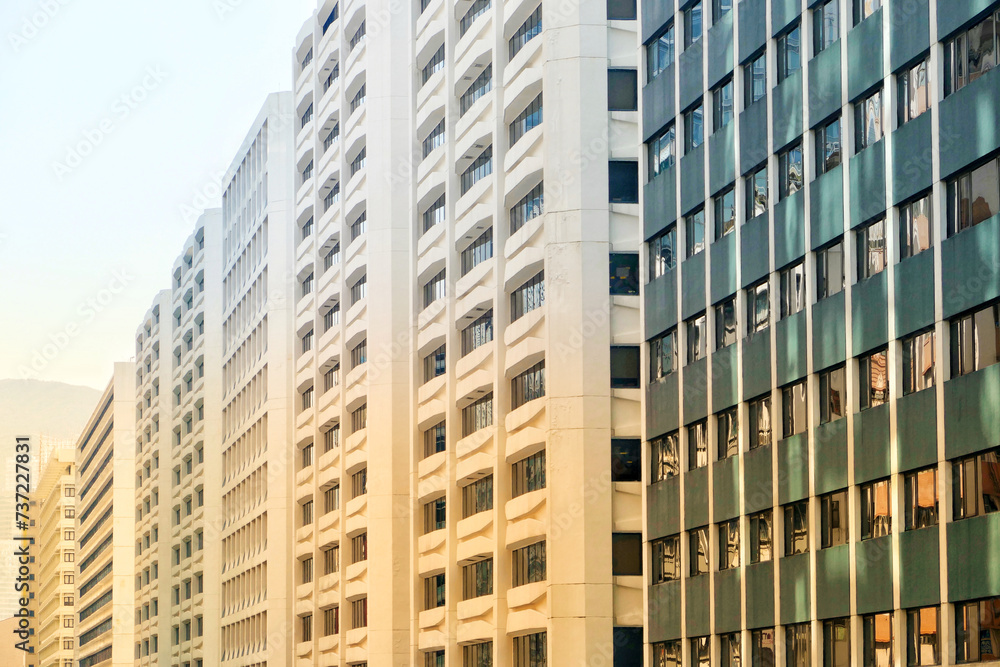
<point x="105" y="527"/>
<point x="178" y="431"/>
<point x="53" y="509"/>
<point x="467" y="417"/>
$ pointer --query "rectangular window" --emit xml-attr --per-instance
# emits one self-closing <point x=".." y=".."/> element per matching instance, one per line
<point x="830" y="276"/>
<point x="623" y="273"/>
<point x="701" y="652"/>
<point x="482" y="85"/>
<point x="662" y="356"/>
<point x="697" y="438"/>
<point x="480" y="168"/>
<point x="626" y="554"/>
<point x="760" y="537"/>
<point x="331" y="438"/>
<point x="624" y="366"/>
<point x="661" y="152"/>
<point x="694" y="128"/>
<point x="692" y="24"/>
<point x="872" y="258"/>
<point x="698" y="552"/>
<point x="529" y="207"/>
<point x="922" y="631"/>
<point x="973" y="197"/>
<point x="359" y="548"/>
<point x="359" y="354"/>
<point x="307" y="570"/>
<point x="862" y="10"/>
<point x="697" y="338"/>
<point x="530" y="650"/>
<point x="754" y="80"/>
<point x="722" y="104"/>
<point x="793" y="289"/>
<point x="623" y="90"/>
<point x="477" y="497"/>
<point x="868" y="121"/>
<point x="528" y="297"/>
<point x="873" y="379"/>
<point x="789" y="49"/>
<point x="528" y="564"/>
<point x="666" y="560"/>
<point x="528" y="386"/>
<point x="837" y="642"/>
<point x="476" y="253"/>
<point x="435" y="364"/>
<point x="331" y="318"/>
<point x="970" y="54"/>
<point x="359" y="290"/>
<point x="623" y="182"/>
<point x="478" y="415"/>
<point x="793" y="409"/>
<point x="331" y="499"/>
<point x="527" y="120"/>
<point x="694" y="226"/>
<point x="435" y="214"/>
<point x="662" y="255"/>
<point x="756" y="190"/>
<point x="527" y="475"/>
<point x="359" y="418"/>
<point x="798" y="646"/>
<point x="477" y="579"/>
<point x="667" y="654"/>
<point x="729" y="544"/>
<point x="665" y="457"/>
<point x="434" y="439"/>
<point x="728" y="426"/>
<point x="759" y="422"/>
<point x="435" y="515"/>
<point x="797" y="527"/>
<point x="434" y="590"/>
<point x="834" y="516"/>
<point x="725" y="213"/>
<point x="331" y="621"/>
<point x="918" y="362"/>
<point x="832" y="395"/>
<point x="359" y="483"/>
<point x="975" y="630"/>
<point x="876" y="630"/>
<point x="730" y="650"/>
<point x="915" y="230"/>
<point x="974" y="485"/>
<point x="307" y="513"/>
<point x="434" y="65"/>
<point x="531" y="28"/>
<point x="435" y="288"/>
<point x="826" y="25"/>
<point x="828" y="146"/>
<point x="790" y="171"/>
<point x="626" y="460"/>
<point x="660" y="53"/>
<point x="359" y="613"/>
<point x="478" y="655"/>
<point x="913" y="96"/>
<point x="920" y="499"/>
<point x="876" y="510"/>
<point x="758" y="308"/>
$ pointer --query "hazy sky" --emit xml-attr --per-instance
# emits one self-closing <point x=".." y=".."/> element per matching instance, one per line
<point x="116" y="119"/>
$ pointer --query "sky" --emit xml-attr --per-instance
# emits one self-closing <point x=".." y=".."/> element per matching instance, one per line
<point x="117" y="121"/>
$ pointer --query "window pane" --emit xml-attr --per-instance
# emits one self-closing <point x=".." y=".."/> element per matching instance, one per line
<point x="985" y="192"/>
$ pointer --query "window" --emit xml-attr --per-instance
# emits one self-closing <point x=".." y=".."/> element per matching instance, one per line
<point x="692" y="24"/>
<point x="307" y="513"/>
<point x="436" y="287"/>
<point x="620" y="10"/>
<point x="697" y="338"/>
<point x="528" y="297"/>
<point x="626" y="554"/>
<point x="531" y="28"/>
<point x="359" y="613"/>
<point x="435" y="515"/>
<point x="759" y="422"/>
<point x="527" y="475"/>
<point x="701" y="652"/>
<point x="359" y="354"/>
<point x="760" y="537"/>
<point x="797" y="528"/>
<point x="922" y="630"/>
<point x="307" y="455"/>
<point x="530" y="650"/>
<point x="974" y="485"/>
<point x="482" y="85"/>
<point x="694" y="225"/>
<point x="662" y="257"/>
<point x="477" y="579"/>
<point x="331" y="621"/>
<point x="435" y="64"/>
<point x="477" y="334"/>
<point x="435" y="364"/>
<point x="837" y="642"/>
<point x="307" y="570"/>
<point x="833" y="519"/>
<point x="915" y="229"/>
<point x="697" y="445"/>
<point x="873" y="379"/>
<point x="481" y="654"/>
<point x="868" y="121"/>
<point x="624" y="367"/>
<point x="973" y="197"/>
<point x="434" y="140"/>
<point x="331" y="378"/>
<point x="832" y="395"/>
<point x="359" y="161"/>
<point x="876" y="510"/>
<point x="434" y="659"/>
<point x="434" y="591"/>
<point x="359" y="483"/>
<point x="758" y="308"/>
<point x="665" y="457"/>
<point x="529" y="207"/>
<point x="872" y="257"/>
<point x="973" y="622"/>
<point x="920" y="499"/>
<point x="969" y="55"/>
<point x="826" y="25"/>
<point x="527" y="120"/>
<point x="729" y="544"/>
<point x="332" y="317"/>
<point x="789" y="60"/>
<point x="660" y="53"/>
<point x="918" y="362"/>
<point x="793" y="408"/>
<point x="478" y="415"/>
<point x="480" y="168"/>
<point x="528" y="564"/>
<point x="913" y="97"/>
<point x="754" y="80"/>
<point x="720" y="8"/>
<point x="623" y="182"/>
<point x="865" y="8"/>
<point x="434" y="439"/>
<point x="359" y="290"/>
<point x="359" y="98"/>
<point x="528" y="386"/>
<point x="477" y="497"/>
<point x="756" y="189"/>
<point x="359" y="548"/>
<point x="662" y="356"/>
<point x="725" y="213"/>
<point x="666" y="560"/>
<point x="331" y="438"/>
<point x="359" y="418"/>
<point x="798" y="647"/>
<point x="624" y="273"/>
<point x="728" y="433"/>
<point x="726" y="330"/>
<point x="830" y="277"/>
<point x="694" y="128"/>
<point x="331" y="499"/>
<point x="626" y="460"/>
<point x="623" y="90"/>
<point x="792" y="281"/>
<point x="730" y="651"/>
<point x="790" y="171"/>
<point x="722" y="104"/>
<point x="828" y="146"/>
<point x="667" y="654"/>
<point x="698" y="552"/>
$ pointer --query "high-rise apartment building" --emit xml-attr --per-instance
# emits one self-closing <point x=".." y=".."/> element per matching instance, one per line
<point x="178" y="436"/>
<point x="467" y="405"/>
<point x="255" y="388"/>
<point x="105" y="527"/>
<point x="53" y="508"/>
<point x="821" y="312"/>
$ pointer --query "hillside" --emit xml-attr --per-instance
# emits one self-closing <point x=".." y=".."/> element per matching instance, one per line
<point x="34" y="407"/>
